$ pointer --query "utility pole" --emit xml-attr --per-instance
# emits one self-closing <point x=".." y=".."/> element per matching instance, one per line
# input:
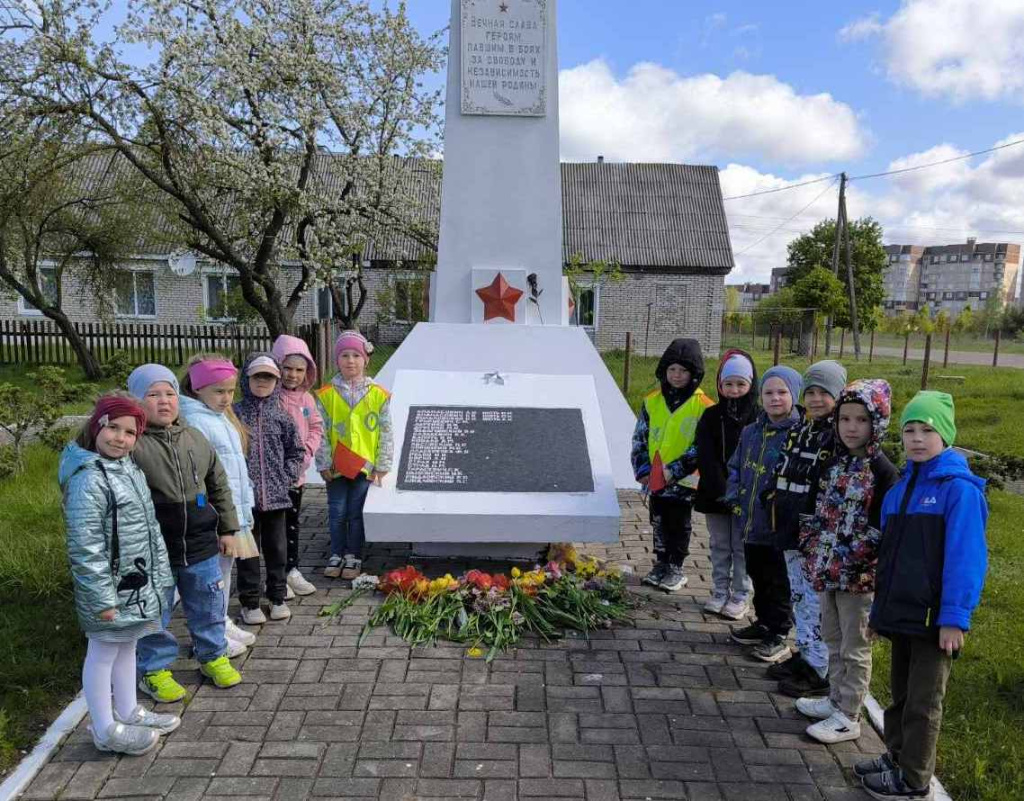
<point x="829" y="322"/>
<point x="849" y="269"/>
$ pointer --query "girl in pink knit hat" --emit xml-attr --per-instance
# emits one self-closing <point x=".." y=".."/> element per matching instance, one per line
<point x="356" y="451"/>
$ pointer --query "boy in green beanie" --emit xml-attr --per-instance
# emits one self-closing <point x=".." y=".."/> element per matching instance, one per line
<point x="931" y="568"/>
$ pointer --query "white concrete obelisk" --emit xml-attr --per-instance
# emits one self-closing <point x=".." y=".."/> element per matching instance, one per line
<point x="501" y="208"/>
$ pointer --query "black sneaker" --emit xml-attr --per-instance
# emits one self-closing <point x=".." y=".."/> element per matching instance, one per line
<point x="657" y="573"/>
<point x="772" y="648"/>
<point x="673" y="580"/>
<point x="804" y="683"/>
<point x="788" y="669"/>
<point x="879" y="764"/>
<point x="749" y="635"/>
<point x="890" y="784"/>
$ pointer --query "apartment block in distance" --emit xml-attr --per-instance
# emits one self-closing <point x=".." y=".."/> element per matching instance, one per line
<point x="750" y="294"/>
<point x="951" y="277"/>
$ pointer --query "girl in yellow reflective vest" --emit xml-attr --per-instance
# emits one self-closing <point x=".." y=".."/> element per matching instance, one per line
<point x="356" y="451"/>
<point x="665" y="461"/>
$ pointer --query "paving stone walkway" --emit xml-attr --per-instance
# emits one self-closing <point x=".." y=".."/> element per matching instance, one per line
<point x="667" y="709"/>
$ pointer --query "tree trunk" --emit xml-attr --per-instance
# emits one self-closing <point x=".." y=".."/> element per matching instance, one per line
<point x="88" y="361"/>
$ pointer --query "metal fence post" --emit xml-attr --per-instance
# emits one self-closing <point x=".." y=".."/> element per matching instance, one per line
<point x="625" y="366"/>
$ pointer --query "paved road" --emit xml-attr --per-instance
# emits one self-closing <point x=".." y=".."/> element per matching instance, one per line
<point x="955" y="356"/>
<point x="667" y="709"/>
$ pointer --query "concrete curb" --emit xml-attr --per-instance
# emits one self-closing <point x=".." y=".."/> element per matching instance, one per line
<point x="15" y="784"/>
<point x="875" y="716"/>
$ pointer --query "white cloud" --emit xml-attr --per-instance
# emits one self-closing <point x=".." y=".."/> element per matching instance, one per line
<point x="982" y="197"/>
<point x="961" y="49"/>
<point x="861" y="28"/>
<point x="656" y="114"/>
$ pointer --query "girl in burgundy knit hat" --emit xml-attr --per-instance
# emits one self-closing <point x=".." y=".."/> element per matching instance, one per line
<point x="120" y="570"/>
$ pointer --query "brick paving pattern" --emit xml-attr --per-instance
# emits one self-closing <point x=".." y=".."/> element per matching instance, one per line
<point x="668" y="708"/>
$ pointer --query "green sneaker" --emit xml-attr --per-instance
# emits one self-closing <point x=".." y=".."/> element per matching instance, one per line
<point x="161" y="687"/>
<point x="222" y="672"/>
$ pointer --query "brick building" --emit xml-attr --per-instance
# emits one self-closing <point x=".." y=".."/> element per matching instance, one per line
<point x="951" y="277"/>
<point x="664" y="223"/>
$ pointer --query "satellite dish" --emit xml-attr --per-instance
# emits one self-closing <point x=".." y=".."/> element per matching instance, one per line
<point x="182" y="263"/>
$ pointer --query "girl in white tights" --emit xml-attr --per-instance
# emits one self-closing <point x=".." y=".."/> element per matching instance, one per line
<point x="120" y="570"/>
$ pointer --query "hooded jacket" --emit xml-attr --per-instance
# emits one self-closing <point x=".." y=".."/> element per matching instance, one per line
<point x="687" y="353"/>
<point x="275" y="453"/>
<point x="751" y="472"/>
<point x="299" y="402"/>
<point x="840" y="539"/>
<point x="191" y="492"/>
<point x="224" y="438"/>
<point x="933" y="556"/>
<point x="718" y="434"/>
<point x="93" y="488"/>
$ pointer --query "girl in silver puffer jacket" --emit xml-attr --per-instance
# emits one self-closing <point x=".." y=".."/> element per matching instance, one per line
<point x="119" y="568"/>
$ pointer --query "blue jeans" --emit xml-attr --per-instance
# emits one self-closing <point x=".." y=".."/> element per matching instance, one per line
<point x="345" y="500"/>
<point x="201" y="588"/>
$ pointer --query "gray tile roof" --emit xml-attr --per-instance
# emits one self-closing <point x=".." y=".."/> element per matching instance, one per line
<point x="650" y="217"/>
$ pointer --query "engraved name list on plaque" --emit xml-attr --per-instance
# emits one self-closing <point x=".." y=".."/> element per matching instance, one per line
<point x="504" y="57"/>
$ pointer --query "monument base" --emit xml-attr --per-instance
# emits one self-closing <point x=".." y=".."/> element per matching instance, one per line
<point x="491" y="551"/>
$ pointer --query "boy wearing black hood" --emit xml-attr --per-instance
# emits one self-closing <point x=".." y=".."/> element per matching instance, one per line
<point x="664" y="461"/>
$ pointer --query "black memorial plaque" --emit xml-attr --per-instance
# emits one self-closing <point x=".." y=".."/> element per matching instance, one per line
<point x="491" y="449"/>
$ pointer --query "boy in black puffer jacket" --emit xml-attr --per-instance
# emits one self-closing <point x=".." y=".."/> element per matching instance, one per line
<point x="275" y="462"/>
<point x="718" y="435"/>
<point x="797" y="473"/>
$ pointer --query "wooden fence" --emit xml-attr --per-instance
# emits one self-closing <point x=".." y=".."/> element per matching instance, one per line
<point x="33" y="342"/>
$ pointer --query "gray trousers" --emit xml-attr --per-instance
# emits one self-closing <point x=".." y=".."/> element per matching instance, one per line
<point x="913" y="720"/>
<point x="728" y="560"/>
<point x="844" y="627"/>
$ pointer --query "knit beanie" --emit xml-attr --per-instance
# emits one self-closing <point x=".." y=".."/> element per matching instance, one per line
<point x="143" y="377"/>
<point x="352" y="340"/>
<point x="737" y="366"/>
<point x="935" y="409"/>
<point x="111" y="407"/>
<point x="828" y="375"/>
<point x="790" y="377"/>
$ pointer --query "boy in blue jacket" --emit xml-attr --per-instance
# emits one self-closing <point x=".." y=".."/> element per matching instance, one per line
<point x="931" y="568"/>
<point x="751" y="473"/>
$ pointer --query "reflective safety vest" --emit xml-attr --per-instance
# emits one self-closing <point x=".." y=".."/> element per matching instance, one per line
<point x="353" y="433"/>
<point x="672" y="433"/>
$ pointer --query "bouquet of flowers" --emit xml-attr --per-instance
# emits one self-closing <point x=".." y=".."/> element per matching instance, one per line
<point x="490" y="612"/>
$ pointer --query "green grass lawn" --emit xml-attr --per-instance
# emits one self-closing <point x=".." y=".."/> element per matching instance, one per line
<point x="981" y="750"/>
<point x="41" y="648"/>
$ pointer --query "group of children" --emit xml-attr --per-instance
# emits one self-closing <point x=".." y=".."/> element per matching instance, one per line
<point x="808" y="516"/>
<point x="170" y="483"/>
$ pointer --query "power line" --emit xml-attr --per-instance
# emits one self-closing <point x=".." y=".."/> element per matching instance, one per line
<point x="817" y="197"/>
<point x="783" y="188"/>
<point x="939" y="163"/>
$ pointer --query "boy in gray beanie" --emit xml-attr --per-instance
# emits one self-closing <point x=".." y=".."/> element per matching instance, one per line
<point x="794" y="493"/>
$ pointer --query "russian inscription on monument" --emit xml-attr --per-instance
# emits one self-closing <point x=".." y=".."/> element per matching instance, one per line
<point x="491" y="449"/>
<point x="504" y="57"/>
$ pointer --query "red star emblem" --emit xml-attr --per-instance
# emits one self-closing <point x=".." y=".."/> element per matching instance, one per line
<point x="500" y="299"/>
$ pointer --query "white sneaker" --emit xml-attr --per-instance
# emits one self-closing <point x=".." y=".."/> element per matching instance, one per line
<point x="253" y="617"/>
<point x="715" y="603"/>
<point x="280" y="611"/>
<point x="816" y="708"/>
<point x="140" y="716"/>
<point x="836" y="728"/>
<point x="235" y="648"/>
<point x="235" y="632"/>
<point x="298" y="584"/>
<point x="122" y="739"/>
<point x="735" y="609"/>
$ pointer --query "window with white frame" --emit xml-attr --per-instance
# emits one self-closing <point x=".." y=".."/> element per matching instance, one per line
<point x="217" y="289"/>
<point x="135" y="293"/>
<point x="47" y="278"/>
<point x="585" y="313"/>
<point x="409" y="294"/>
